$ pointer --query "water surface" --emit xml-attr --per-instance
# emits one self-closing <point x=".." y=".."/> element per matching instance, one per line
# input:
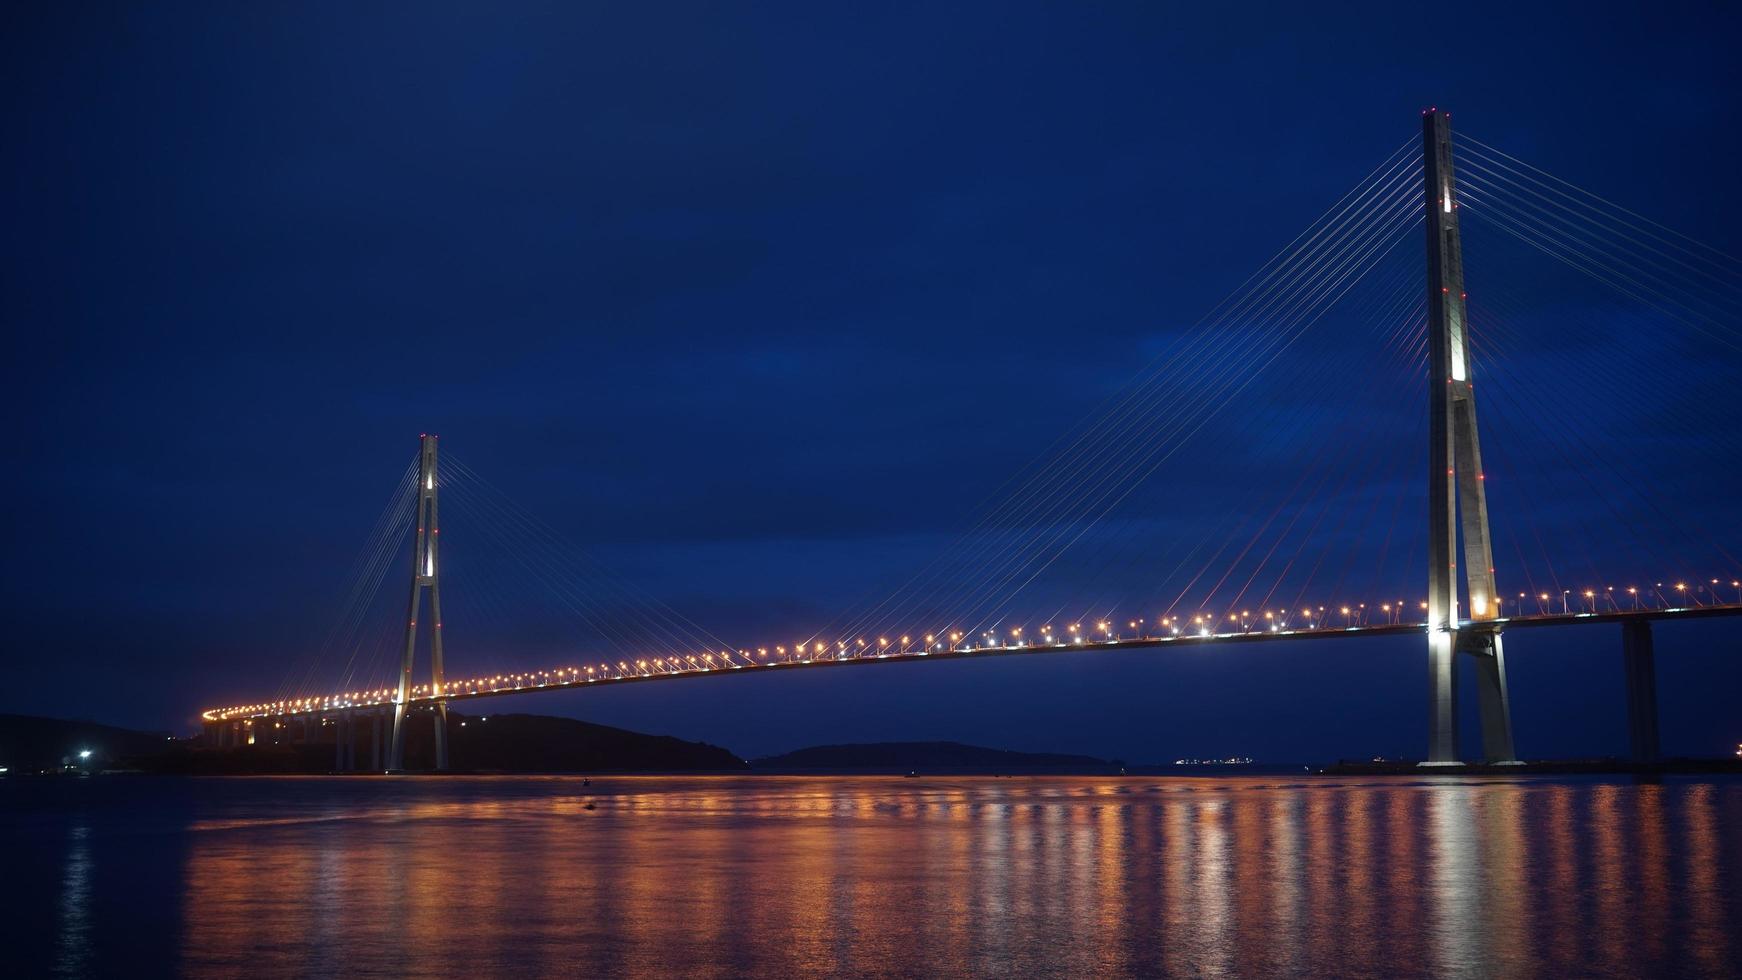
<point x="826" y="876"/>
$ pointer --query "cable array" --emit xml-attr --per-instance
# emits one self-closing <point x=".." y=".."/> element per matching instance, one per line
<point x="1088" y="472"/>
<point x="1604" y="390"/>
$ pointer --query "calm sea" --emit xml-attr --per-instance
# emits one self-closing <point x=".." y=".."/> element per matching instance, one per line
<point x="823" y="876"/>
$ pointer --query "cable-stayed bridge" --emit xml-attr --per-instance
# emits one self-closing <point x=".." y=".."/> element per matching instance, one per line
<point x="1286" y="567"/>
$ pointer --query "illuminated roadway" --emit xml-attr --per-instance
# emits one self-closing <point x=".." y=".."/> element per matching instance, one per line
<point x="1189" y="633"/>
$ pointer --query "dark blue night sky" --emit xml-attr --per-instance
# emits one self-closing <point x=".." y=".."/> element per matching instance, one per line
<point x="758" y="303"/>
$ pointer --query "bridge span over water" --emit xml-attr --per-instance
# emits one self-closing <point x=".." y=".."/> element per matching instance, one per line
<point x="353" y="713"/>
<point x="1461" y="618"/>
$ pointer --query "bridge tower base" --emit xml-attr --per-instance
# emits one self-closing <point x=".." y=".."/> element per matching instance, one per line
<point x="1442" y="704"/>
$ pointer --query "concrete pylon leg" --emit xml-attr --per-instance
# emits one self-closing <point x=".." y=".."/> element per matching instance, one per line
<point x="1495" y="704"/>
<point x="1640" y="663"/>
<point x="1442" y="749"/>
<point x="396" y="751"/>
<point x="441" y="734"/>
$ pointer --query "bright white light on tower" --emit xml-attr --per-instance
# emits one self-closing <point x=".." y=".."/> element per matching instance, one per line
<point x="1446" y="198"/>
<point x="428" y="565"/>
<point x="429" y="481"/>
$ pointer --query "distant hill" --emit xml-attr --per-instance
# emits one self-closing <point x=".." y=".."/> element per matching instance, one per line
<point x="929" y="757"/>
<point x="30" y="743"/>
<point x="503" y="743"/>
<point x="541" y="743"/>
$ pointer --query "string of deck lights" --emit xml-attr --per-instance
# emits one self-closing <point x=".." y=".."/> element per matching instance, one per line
<point x="1102" y="633"/>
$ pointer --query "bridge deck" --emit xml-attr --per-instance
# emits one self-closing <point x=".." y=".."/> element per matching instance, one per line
<point x="743" y="661"/>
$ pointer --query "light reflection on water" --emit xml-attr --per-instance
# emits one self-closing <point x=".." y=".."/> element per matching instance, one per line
<point x="802" y="876"/>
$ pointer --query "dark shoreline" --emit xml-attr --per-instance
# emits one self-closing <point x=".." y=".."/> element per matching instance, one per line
<point x="538" y="745"/>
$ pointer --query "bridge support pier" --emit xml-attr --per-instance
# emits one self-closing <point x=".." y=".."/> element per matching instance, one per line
<point x="441" y="734"/>
<point x="375" y="739"/>
<point x="341" y="741"/>
<point x="1640" y="664"/>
